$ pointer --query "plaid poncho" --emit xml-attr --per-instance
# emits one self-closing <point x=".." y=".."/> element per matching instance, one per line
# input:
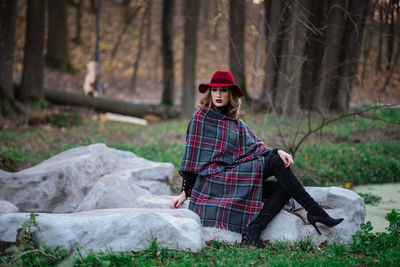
<point x="229" y="161"/>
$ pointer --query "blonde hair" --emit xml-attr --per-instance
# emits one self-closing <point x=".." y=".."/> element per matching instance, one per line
<point x="234" y="103"/>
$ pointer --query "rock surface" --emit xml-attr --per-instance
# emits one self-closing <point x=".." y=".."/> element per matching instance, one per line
<point x="119" y="229"/>
<point x="7" y="207"/>
<point x="114" y="192"/>
<point x="133" y="229"/>
<point x="85" y="178"/>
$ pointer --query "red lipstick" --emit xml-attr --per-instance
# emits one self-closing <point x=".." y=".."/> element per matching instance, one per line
<point x="218" y="101"/>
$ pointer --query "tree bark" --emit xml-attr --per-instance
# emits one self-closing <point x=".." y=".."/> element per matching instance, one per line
<point x="380" y="33"/>
<point x="258" y="42"/>
<point x="78" y="22"/>
<point x="236" y="43"/>
<point x="274" y="12"/>
<point x="33" y="72"/>
<point x="148" y="23"/>
<point x="8" y="11"/>
<point x="330" y="63"/>
<point x="390" y="39"/>
<point x="57" y="55"/>
<point x="289" y="75"/>
<point x="350" y="55"/>
<point x="167" y="52"/>
<point x="139" y="53"/>
<point x="191" y="9"/>
<point x="313" y="53"/>
<point x="102" y="104"/>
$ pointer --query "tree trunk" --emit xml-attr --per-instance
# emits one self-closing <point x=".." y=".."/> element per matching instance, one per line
<point x="57" y="55"/>
<point x="191" y="9"/>
<point x="32" y="77"/>
<point x="167" y="52"/>
<point x="330" y="62"/>
<point x="205" y="8"/>
<point x="290" y="65"/>
<point x="78" y="39"/>
<point x="148" y="23"/>
<point x="139" y="53"/>
<point x="369" y="34"/>
<point x="127" y="10"/>
<point x="350" y="55"/>
<point x="216" y="20"/>
<point x="102" y="104"/>
<point x="380" y="33"/>
<point x="8" y="11"/>
<point x="258" y="42"/>
<point x="236" y="43"/>
<point x="274" y="12"/>
<point x="390" y="39"/>
<point x="313" y="53"/>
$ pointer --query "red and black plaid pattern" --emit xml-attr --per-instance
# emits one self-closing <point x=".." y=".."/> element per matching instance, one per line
<point x="229" y="161"/>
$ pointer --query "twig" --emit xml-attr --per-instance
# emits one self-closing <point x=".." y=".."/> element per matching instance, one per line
<point x="31" y="252"/>
<point x="326" y="122"/>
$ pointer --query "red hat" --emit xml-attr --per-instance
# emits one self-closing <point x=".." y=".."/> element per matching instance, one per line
<point x="221" y="79"/>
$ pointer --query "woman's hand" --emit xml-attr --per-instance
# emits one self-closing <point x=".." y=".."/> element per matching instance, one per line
<point x="177" y="201"/>
<point x="287" y="158"/>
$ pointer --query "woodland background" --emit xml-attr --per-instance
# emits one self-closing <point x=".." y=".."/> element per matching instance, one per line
<point x="286" y="55"/>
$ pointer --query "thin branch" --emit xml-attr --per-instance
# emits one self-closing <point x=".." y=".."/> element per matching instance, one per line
<point x="130" y="19"/>
<point x="31" y="252"/>
<point x="326" y="122"/>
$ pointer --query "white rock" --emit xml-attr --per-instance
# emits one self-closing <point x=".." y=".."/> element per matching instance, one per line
<point x="118" y="229"/>
<point x="7" y="207"/>
<point x="61" y="183"/>
<point x="286" y="226"/>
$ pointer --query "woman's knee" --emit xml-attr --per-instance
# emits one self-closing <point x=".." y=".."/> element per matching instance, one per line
<point x="276" y="163"/>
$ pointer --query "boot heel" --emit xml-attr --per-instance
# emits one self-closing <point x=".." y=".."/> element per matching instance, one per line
<point x="315" y="226"/>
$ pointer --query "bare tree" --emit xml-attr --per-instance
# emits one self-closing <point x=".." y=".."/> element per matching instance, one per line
<point x="191" y="9"/>
<point x="167" y="52"/>
<point x="8" y="11"/>
<point x="330" y="61"/>
<point x="288" y="84"/>
<point x="351" y="44"/>
<point x="236" y="43"/>
<point x="139" y="52"/>
<point x="32" y="77"/>
<point x="313" y="53"/>
<point x="274" y="11"/>
<point x="57" y="53"/>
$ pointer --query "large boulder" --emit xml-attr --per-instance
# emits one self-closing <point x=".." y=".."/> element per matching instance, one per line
<point x="118" y="229"/>
<point x="78" y="179"/>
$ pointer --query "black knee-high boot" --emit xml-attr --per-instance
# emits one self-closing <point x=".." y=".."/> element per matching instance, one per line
<point x="289" y="183"/>
<point x="272" y="205"/>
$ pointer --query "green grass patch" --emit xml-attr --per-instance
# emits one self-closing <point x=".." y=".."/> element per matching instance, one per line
<point x="338" y="164"/>
<point x="370" y="198"/>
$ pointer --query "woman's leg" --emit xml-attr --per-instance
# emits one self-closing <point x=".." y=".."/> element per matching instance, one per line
<point x="274" y="200"/>
<point x="289" y="183"/>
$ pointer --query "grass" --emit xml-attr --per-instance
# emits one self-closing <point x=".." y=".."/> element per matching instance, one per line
<point x="321" y="161"/>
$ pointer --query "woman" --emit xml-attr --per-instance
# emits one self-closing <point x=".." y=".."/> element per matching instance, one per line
<point x="225" y="169"/>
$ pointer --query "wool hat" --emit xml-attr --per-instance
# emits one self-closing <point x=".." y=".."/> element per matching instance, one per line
<point x="221" y="79"/>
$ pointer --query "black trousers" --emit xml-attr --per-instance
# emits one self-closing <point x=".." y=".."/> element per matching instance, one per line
<point x="277" y="193"/>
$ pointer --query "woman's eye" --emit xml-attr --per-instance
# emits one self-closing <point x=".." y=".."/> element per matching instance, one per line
<point x="224" y="90"/>
<point x="213" y="89"/>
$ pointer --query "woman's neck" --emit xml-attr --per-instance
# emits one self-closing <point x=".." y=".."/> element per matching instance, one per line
<point x="224" y="110"/>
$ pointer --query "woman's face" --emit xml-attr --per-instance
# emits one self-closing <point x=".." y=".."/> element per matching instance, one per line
<point x="220" y="96"/>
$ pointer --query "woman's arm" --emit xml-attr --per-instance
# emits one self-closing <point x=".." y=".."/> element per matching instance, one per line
<point x="188" y="182"/>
